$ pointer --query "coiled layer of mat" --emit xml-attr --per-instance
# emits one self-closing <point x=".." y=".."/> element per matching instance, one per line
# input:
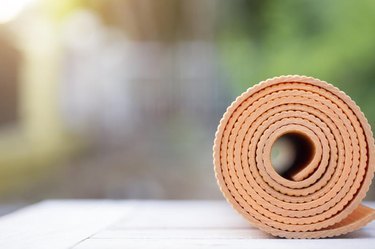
<point x="320" y="196"/>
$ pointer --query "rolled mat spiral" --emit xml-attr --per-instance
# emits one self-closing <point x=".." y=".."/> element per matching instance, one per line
<point x="320" y="195"/>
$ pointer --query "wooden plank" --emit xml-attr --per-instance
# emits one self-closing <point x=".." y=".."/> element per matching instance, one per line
<point x="182" y="214"/>
<point x="226" y="243"/>
<point x="57" y="224"/>
<point x="195" y="233"/>
<point x="149" y="224"/>
<point x="203" y="225"/>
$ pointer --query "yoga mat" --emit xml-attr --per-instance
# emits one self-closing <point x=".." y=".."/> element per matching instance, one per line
<point x="330" y="172"/>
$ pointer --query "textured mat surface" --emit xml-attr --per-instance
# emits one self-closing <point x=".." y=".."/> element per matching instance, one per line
<point x="320" y="195"/>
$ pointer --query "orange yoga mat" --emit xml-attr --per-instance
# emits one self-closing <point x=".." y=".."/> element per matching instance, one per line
<point x="320" y="194"/>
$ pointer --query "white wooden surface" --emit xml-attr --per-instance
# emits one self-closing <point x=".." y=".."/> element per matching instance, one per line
<point x="149" y="224"/>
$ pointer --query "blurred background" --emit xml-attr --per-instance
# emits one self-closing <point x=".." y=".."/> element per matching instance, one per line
<point x="121" y="98"/>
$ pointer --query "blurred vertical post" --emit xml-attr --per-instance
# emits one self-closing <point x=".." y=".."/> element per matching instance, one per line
<point x="39" y="87"/>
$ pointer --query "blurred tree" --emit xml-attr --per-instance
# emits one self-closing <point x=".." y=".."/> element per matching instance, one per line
<point x="331" y="40"/>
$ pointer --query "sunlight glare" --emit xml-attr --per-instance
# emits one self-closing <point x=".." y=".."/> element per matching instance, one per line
<point x="9" y="9"/>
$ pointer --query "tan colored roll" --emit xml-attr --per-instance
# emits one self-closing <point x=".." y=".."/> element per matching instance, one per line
<point x="320" y="195"/>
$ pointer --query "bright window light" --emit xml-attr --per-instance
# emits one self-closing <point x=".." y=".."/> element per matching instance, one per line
<point x="9" y="9"/>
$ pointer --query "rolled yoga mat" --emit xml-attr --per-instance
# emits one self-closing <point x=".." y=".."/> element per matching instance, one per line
<point x="330" y="172"/>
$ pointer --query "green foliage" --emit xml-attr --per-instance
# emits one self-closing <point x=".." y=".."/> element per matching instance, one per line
<point x="332" y="40"/>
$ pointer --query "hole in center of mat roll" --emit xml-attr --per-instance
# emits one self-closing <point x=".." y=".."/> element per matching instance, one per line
<point x="291" y="153"/>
